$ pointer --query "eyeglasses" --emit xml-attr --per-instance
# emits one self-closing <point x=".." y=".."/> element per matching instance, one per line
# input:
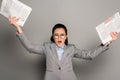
<point x="62" y="36"/>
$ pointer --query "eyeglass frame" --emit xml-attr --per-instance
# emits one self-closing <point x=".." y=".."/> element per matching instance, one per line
<point x="62" y="36"/>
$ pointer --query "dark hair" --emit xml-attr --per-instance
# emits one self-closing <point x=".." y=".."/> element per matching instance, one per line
<point x="59" y="26"/>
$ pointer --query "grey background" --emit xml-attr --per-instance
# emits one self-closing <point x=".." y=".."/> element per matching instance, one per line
<point x="81" y="17"/>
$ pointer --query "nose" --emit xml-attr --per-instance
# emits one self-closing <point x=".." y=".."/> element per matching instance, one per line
<point x="59" y="37"/>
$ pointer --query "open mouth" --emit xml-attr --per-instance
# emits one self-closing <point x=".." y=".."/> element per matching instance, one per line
<point x="59" y="42"/>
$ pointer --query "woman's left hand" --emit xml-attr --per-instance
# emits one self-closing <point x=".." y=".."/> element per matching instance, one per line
<point x="114" y="36"/>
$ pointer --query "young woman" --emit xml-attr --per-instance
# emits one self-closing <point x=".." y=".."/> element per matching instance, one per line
<point x="58" y="52"/>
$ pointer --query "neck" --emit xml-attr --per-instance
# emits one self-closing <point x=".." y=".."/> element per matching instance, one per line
<point x="61" y="45"/>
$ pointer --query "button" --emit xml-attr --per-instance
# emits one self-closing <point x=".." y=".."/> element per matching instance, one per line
<point x="59" y="68"/>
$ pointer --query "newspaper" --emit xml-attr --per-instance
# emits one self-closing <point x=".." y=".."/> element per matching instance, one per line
<point x="17" y="9"/>
<point x="112" y="24"/>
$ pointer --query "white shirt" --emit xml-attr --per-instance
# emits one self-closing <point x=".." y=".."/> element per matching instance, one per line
<point x="60" y="51"/>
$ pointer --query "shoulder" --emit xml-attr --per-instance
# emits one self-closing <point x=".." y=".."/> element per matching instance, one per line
<point x="48" y="44"/>
<point x="71" y="45"/>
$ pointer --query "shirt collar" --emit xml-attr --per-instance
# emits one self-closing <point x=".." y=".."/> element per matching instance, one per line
<point x="61" y="46"/>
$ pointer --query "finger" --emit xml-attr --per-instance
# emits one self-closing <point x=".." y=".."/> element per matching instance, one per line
<point x="112" y="35"/>
<point x="9" y="18"/>
<point x="14" y="17"/>
<point x="115" y="33"/>
<point x="17" y="19"/>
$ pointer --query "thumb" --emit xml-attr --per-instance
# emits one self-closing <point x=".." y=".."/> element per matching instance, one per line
<point x="17" y="33"/>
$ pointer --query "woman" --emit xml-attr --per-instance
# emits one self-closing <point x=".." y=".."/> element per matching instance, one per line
<point x="58" y="52"/>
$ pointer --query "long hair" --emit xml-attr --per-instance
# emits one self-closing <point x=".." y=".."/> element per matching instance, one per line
<point x="59" y="26"/>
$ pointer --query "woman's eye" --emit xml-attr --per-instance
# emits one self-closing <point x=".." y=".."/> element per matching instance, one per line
<point x="62" y="35"/>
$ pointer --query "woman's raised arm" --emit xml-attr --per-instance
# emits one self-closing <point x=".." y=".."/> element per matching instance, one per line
<point x="31" y="47"/>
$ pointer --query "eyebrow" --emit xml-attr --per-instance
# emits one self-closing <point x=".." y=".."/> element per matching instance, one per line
<point x="58" y="33"/>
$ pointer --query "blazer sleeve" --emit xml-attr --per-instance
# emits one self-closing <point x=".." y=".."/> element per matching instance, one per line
<point x="31" y="47"/>
<point x="89" y="54"/>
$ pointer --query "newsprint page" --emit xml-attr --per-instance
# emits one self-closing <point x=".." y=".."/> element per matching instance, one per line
<point x="15" y="8"/>
<point x="112" y="24"/>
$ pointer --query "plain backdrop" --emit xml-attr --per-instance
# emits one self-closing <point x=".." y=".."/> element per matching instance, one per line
<point x="80" y="17"/>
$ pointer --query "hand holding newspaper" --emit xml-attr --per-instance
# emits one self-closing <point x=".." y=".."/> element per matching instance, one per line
<point x="15" y="8"/>
<point x="112" y="24"/>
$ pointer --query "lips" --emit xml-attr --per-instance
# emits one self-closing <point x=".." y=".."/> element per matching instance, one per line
<point x="59" y="42"/>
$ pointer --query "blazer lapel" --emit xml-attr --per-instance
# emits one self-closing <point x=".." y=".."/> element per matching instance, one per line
<point x="64" y="54"/>
<point x="53" y="47"/>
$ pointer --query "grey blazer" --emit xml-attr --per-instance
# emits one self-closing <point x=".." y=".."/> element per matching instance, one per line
<point x="55" y="69"/>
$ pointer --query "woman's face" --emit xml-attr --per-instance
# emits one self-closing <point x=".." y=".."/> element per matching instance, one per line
<point x="59" y="36"/>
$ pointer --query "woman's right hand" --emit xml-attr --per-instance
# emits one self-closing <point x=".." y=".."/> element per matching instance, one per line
<point x="13" y="21"/>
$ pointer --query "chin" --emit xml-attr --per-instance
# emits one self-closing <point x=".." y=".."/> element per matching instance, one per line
<point x="59" y="45"/>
